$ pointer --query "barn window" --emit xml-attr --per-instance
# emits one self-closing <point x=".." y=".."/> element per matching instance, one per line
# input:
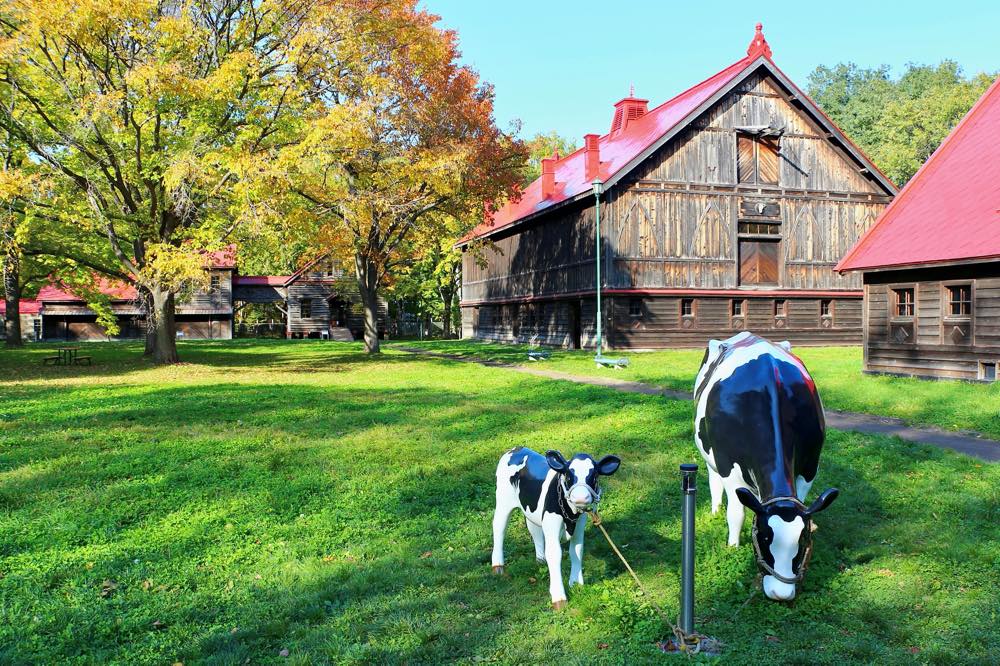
<point x="960" y="300"/>
<point x="826" y="308"/>
<point x="215" y="282"/>
<point x="739" y="307"/>
<point x="306" y="308"/>
<point x="757" y="159"/>
<point x="904" y="302"/>
<point x="687" y="307"/>
<point x="780" y="308"/>
<point x="760" y="228"/>
<point x="758" y="262"/>
<point x="635" y="307"/>
<point x="988" y="371"/>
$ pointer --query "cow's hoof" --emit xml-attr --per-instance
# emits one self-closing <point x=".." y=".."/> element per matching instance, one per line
<point x="498" y="569"/>
<point x="559" y="605"/>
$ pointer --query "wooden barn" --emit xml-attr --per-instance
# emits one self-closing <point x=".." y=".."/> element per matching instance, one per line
<point x="318" y="301"/>
<point x="931" y="263"/>
<point x="725" y="208"/>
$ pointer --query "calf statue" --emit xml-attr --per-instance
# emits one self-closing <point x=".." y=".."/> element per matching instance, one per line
<point x="554" y="494"/>
<point x="759" y="425"/>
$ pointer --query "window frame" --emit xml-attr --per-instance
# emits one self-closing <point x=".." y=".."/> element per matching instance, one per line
<point x="214" y="283"/>
<point x="896" y="320"/>
<point x="635" y="308"/>
<point x="894" y="305"/>
<point x="947" y="302"/>
<point x="783" y="311"/>
<point x="305" y="305"/>
<point x="694" y="308"/>
<point x="741" y="315"/>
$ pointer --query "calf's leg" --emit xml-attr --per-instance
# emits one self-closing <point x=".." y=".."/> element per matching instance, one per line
<point x="553" y="530"/>
<point x="501" y="516"/>
<point x="576" y="553"/>
<point x="538" y="536"/>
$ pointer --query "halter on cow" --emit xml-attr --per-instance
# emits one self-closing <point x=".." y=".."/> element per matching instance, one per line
<point x="759" y="426"/>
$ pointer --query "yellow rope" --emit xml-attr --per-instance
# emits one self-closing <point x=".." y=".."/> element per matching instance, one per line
<point x="690" y="643"/>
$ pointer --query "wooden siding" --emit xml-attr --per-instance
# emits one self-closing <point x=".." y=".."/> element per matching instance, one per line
<point x="542" y="323"/>
<point x="210" y="300"/>
<point x="936" y="349"/>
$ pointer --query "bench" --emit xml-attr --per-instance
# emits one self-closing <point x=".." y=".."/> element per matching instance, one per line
<point x="604" y="361"/>
<point x="540" y="355"/>
<point x="54" y="360"/>
<point x="80" y="359"/>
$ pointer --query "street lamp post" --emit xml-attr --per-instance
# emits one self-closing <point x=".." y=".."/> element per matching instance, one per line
<point x="598" y="186"/>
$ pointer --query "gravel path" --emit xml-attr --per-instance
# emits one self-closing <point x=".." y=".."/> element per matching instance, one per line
<point x="969" y="443"/>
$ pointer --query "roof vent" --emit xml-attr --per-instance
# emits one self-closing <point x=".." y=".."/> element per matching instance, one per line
<point x="592" y="156"/>
<point x="759" y="46"/>
<point x="627" y="110"/>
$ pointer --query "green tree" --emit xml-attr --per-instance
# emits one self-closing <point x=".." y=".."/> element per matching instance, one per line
<point x="897" y="122"/>
<point x="541" y="146"/>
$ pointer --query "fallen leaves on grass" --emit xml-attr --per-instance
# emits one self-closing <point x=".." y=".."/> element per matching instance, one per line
<point x="108" y="588"/>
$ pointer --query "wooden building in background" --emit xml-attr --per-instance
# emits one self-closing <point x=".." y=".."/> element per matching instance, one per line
<point x="725" y="208"/>
<point x="931" y="263"/>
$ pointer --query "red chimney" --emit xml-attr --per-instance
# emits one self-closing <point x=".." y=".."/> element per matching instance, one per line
<point x="627" y="110"/>
<point x="549" y="175"/>
<point x="592" y="156"/>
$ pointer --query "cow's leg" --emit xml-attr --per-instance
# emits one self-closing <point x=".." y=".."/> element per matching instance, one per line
<point x="501" y="516"/>
<point x="576" y="553"/>
<point x="538" y="536"/>
<point x="715" y="488"/>
<point x="553" y="528"/>
<point x="734" y="516"/>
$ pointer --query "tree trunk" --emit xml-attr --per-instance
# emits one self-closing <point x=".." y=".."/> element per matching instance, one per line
<point x="368" y="286"/>
<point x="447" y="298"/>
<point x="12" y="298"/>
<point x="163" y="328"/>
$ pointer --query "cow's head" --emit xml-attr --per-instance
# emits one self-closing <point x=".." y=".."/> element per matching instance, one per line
<point x="579" y="478"/>
<point x="782" y="538"/>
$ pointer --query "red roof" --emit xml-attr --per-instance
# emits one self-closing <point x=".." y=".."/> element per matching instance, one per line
<point x="113" y="289"/>
<point x="260" y="280"/>
<point x="950" y="210"/>
<point x="25" y="307"/>
<point x="621" y="150"/>
<point x="224" y="258"/>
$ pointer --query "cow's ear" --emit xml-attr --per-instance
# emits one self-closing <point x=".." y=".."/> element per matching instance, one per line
<point x="786" y="345"/>
<point x="749" y="500"/>
<point x="824" y="500"/>
<point x="608" y="465"/>
<point x="556" y="460"/>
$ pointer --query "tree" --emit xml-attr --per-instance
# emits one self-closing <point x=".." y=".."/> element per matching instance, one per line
<point x="898" y="123"/>
<point x="153" y="112"/>
<point x="541" y="146"/>
<point x="432" y="280"/>
<point x="396" y="137"/>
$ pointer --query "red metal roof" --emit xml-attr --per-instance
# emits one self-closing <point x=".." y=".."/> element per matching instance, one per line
<point x="224" y="258"/>
<point x="113" y="289"/>
<point x="950" y="210"/>
<point x="260" y="280"/>
<point x="25" y="307"/>
<point x="620" y="149"/>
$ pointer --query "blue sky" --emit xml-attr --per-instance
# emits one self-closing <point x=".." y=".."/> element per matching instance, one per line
<point x="561" y="65"/>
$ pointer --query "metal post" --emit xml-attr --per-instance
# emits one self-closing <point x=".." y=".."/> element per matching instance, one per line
<point x="598" y="187"/>
<point x="689" y="484"/>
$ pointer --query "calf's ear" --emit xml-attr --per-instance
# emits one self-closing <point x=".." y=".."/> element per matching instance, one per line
<point x="824" y="500"/>
<point x="556" y="460"/>
<point x="749" y="500"/>
<point x="608" y="465"/>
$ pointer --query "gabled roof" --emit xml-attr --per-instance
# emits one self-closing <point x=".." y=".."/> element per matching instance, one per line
<point x="260" y="280"/>
<point x="115" y="290"/>
<point x="622" y="151"/>
<point x="25" y="307"/>
<point x="950" y="209"/>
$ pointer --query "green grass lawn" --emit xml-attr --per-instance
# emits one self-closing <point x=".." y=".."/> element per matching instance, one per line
<point x="951" y="405"/>
<point x="299" y="496"/>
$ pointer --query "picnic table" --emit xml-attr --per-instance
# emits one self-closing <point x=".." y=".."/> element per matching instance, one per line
<point x="67" y="356"/>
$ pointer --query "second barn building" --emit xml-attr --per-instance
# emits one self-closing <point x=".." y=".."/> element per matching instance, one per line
<point x="725" y="208"/>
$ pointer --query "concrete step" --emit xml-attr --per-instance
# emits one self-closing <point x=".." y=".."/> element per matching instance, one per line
<point x="341" y="334"/>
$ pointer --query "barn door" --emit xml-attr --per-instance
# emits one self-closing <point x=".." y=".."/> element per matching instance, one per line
<point x="759" y="262"/>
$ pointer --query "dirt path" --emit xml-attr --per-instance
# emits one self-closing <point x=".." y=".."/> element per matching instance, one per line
<point x="970" y="443"/>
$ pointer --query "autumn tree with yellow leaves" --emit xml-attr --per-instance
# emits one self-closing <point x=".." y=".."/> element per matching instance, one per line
<point x="153" y="113"/>
<point x="397" y="138"/>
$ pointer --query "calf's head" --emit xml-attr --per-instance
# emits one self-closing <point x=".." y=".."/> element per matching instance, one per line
<point x="579" y="477"/>
<point x="782" y="538"/>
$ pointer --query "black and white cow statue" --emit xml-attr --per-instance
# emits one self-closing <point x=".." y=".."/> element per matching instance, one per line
<point x="759" y="425"/>
<point x="554" y="496"/>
